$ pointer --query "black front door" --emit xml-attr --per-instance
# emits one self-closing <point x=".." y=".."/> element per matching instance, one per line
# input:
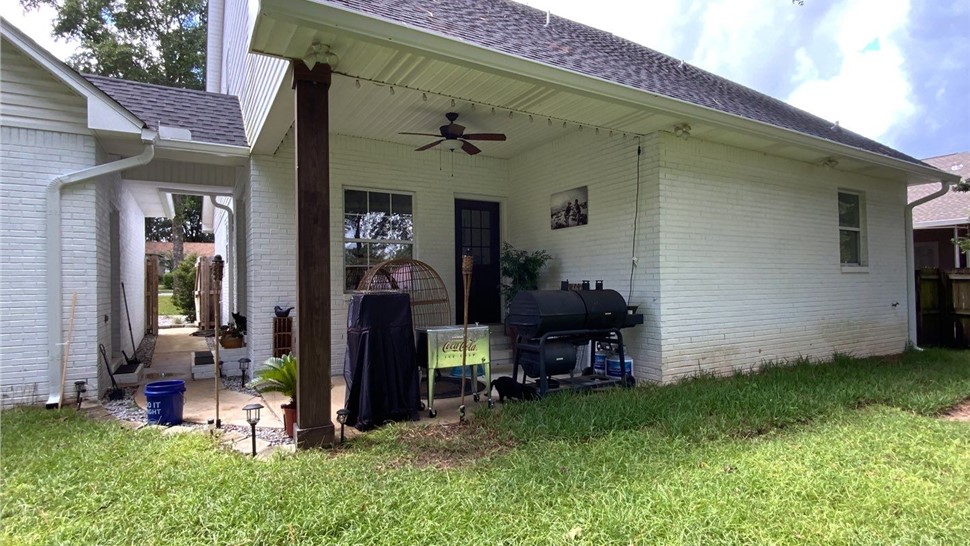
<point x="477" y="229"/>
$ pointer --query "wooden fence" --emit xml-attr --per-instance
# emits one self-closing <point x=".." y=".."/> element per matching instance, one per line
<point x="943" y="308"/>
<point x="206" y="294"/>
<point x="151" y="294"/>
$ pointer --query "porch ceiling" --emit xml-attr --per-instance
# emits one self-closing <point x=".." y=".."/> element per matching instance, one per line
<point x="380" y="60"/>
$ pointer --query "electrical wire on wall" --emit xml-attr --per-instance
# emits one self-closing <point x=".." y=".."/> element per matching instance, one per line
<point x="636" y="216"/>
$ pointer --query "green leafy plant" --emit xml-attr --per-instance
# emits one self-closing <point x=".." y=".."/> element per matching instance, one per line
<point x="183" y="287"/>
<point x="520" y="270"/>
<point x="279" y="375"/>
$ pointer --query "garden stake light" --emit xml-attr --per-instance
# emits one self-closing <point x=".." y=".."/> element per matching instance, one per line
<point x="79" y="390"/>
<point x="243" y="366"/>
<point x="252" y="417"/>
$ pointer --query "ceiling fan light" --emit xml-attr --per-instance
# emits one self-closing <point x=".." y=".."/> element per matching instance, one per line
<point x="452" y="144"/>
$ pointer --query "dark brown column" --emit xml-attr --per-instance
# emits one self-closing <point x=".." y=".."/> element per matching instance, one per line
<point x="312" y="128"/>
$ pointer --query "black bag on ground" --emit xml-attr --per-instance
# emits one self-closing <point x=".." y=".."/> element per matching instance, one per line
<point x="380" y="367"/>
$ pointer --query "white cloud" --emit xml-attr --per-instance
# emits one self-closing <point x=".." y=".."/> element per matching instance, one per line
<point x="37" y="23"/>
<point x="871" y="93"/>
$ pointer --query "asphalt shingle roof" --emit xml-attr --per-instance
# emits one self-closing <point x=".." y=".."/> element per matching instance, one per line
<point x="520" y="30"/>
<point x="212" y="117"/>
<point x="952" y="205"/>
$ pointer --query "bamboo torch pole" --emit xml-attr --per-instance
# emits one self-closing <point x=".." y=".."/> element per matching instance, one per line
<point x="467" y="262"/>
<point x="217" y="266"/>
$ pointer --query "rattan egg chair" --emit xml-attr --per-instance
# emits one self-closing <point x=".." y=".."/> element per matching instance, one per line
<point x="429" y="297"/>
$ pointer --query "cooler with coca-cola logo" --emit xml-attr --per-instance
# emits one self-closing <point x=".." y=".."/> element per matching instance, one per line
<point x="441" y="347"/>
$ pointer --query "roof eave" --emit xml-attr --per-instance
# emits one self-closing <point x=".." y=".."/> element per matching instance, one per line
<point x="382" y="30"/>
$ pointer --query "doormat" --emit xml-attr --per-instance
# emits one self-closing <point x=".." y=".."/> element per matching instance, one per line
<point x="449" y="387"/>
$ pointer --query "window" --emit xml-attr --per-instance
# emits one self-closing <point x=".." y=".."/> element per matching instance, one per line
<point x="852" y="232"/>
<point x="378" y="226"/>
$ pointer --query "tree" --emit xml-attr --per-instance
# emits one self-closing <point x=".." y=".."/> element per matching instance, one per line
<point x="186" y="226"/>
<point x="152" y="41"/>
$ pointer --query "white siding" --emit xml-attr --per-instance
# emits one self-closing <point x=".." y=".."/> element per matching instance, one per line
<point x="357" y="163"/>
<point x="253" y="78"/>
<point x="32" y="98"/>
<point x="603" y="249"/>
<point x="750" y="262"/>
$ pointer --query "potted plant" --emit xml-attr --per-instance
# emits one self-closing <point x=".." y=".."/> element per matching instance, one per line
<point x="231" y="336"/>
<point x="279" y="375"/>
<point x="521" y="269"/>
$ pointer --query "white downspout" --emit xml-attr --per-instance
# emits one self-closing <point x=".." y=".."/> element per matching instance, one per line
<point x="230" y="241"/>
<point x="911" y="261"/>
<point x="53" y="251"/>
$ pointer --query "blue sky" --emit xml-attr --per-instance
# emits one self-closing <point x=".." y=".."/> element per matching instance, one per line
<point x="897" y="71"/>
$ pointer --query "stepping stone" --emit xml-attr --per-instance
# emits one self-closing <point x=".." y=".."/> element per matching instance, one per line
<point x="178" y="429"/>
<point x="270" y="451"/>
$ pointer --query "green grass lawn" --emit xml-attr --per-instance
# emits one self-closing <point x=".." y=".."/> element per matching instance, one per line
<point x="165" y="305"/>
<point x="849" y="452"/>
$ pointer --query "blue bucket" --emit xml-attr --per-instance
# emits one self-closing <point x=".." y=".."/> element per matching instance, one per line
<point x="472" y="369"/>
<point x="165" y="401"/>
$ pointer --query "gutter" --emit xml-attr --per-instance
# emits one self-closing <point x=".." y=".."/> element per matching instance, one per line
<point x="230" y="243"/>
<point x="911" y="260"/>
<point x="53" y="253"/>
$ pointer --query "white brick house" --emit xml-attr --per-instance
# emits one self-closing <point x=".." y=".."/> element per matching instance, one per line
<point x="714" y="208"/>
<point x="79" y="173"/>
<point x="737" y="236"/>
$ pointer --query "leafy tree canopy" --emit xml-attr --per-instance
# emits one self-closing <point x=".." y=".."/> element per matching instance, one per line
<point x="152" y="41"/>
<point x="189" y="209"/>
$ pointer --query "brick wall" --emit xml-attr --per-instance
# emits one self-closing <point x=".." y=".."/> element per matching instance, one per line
<point x="29" y="160"/>
<point x="750" y="269"/>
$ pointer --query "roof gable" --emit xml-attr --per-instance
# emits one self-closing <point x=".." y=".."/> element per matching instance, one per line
<point x="211" y="117"/>
<point x="951" y="208"/>
<point x="521" y="31"/>
<point x="103" y="113"/>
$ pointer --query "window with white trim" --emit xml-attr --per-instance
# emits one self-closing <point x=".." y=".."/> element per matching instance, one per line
<point x="378" y="226"/>
<point x="852" y="228"/>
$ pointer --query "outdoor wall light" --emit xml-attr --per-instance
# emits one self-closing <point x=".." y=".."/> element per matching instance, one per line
<point x="243" y="366"/>
<point x="252" y="417"/>
<point x="682" y="130"/>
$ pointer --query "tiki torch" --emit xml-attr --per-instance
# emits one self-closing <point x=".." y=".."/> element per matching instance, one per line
<point x="467" y="262"/>
<point x="217" y="268"/>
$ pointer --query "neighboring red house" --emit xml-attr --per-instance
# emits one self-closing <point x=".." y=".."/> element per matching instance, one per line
<point x="165" y="250"/>
<point x="937" y="223"/>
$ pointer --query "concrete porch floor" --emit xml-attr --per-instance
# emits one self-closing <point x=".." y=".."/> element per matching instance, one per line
<point x="172" y="360"/>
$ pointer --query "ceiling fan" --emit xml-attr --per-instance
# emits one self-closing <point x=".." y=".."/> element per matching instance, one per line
<point x="454" y="137"/>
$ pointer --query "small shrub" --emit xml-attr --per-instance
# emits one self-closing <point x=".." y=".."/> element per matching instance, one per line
<point x="183" y="287"/>
<point x="168" y="280"/>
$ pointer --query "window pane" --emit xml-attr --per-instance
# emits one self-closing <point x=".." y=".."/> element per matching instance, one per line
<point x="386" y="251"/>
<point x="849" y="247"/>
<point x="848" y="210"/>
<point x="378" y="226"/>
<point x="353" y="226"/>
<point x="401" y="204"/>
<point x="355" y="253"/>
<point x="353" y="275"/>
<point x="380" y="202"/>
<point x="355" y="201"/>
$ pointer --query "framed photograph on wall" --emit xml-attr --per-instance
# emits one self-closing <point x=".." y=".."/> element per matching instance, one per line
<point x="569" y="208"/>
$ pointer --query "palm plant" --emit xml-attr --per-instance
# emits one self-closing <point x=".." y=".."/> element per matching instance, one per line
<point x="279" y="375"/>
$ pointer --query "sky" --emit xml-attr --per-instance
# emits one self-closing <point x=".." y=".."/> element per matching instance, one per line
<point x="896" y="71"/>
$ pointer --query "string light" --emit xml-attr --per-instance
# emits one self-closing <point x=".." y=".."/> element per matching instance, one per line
<point x="564" y="125"/>
<point x="452" y="103"/>
<point x="424" y="97"/>
<point x="392" y="90"/>
<point x="510" y="114"/>
<point x="580" y="128"/>
<point x="493" y="110"/>
<point x="530" y="118"/>
<point x="597" y="130"/>
<point x="549" y="120"/>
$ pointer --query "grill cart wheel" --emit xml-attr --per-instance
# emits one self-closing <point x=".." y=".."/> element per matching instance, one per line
<point x="432" y="413"/>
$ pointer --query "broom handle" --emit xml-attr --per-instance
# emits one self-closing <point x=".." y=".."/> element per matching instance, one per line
<point x="67" y="348"/>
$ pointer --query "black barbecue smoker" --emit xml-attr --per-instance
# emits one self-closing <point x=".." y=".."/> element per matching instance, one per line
<point x="551" y="324"/>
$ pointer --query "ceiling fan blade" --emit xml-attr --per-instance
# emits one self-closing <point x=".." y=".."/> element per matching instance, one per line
<point x="485" y="136"/>
<point x="420" y="134"/>
<point x="469" y="148"/>
<point x="427" y="146"/>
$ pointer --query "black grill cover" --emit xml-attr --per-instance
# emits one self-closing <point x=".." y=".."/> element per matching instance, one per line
<point x="379" y="367"/>
<point x="535" y="312"/>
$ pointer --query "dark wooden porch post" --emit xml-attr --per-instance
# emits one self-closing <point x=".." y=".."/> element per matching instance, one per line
<point x="312" y="87"/>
